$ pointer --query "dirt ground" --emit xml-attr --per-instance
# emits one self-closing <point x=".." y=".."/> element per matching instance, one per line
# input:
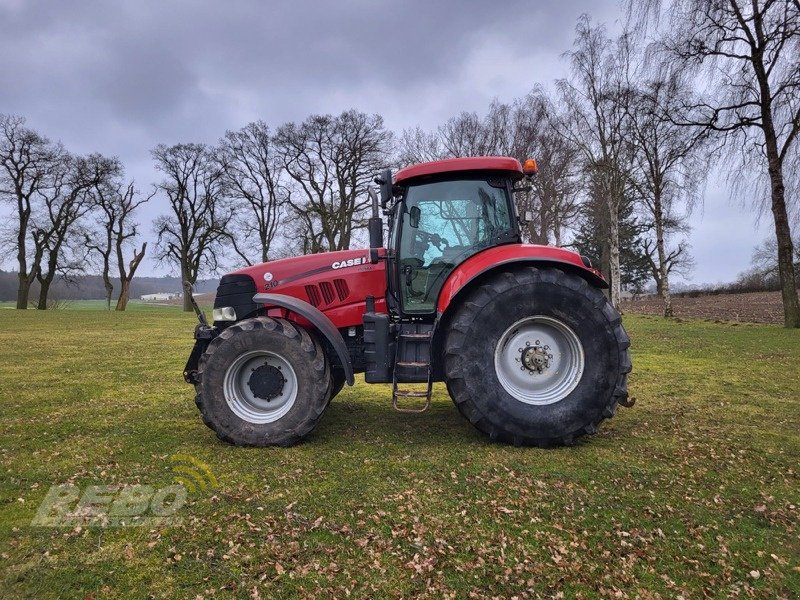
<point x="753" y="307"/>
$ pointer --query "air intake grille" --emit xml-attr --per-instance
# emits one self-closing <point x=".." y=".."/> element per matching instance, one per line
<point x="341" y="289"/>
<point x="313" y="295"/>
<point x="326" y="292"/>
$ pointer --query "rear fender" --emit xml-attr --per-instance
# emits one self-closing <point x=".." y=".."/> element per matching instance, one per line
<point x="500" y="258"/>
<point x="322" y="323"/>
<point x="484" y="265"/>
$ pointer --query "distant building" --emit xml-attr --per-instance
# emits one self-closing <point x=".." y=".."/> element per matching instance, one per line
<point x="161" y="296"/>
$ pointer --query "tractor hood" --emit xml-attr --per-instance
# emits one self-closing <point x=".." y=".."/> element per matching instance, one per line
<point x="336" y="283"/>
<point x="278" y="273"/>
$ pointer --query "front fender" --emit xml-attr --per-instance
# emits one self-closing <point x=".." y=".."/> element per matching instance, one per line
<point x="319" y="320"/>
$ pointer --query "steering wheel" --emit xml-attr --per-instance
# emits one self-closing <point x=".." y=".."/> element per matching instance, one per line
<point x="434" y="238"/>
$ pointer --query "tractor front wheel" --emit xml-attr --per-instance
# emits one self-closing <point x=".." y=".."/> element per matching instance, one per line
<point x="263" y="382"/>
<point x="537" y="357"/>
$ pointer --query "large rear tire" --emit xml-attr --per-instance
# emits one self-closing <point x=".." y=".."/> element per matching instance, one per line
<point x="537" y="357"/>
<point x="263" y="382"/>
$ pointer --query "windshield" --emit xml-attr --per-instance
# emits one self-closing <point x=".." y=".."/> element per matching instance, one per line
<point x="445" y="223"/>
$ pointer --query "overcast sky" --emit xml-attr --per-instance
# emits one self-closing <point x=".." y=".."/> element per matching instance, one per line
<point x="120" y="76"/>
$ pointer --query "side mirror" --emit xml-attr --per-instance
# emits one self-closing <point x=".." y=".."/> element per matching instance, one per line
<point x="413" y="216"/>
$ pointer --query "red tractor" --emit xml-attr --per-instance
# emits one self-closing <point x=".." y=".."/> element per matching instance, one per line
<point x="530" y="349"/>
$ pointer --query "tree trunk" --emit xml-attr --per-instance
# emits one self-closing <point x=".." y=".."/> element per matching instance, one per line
<point x="109" y="290"/>
<point x="605" y="262"/>
<point x="23" y="291"/>
<point x="665" y="291"/>
<point x="124" y="293"/>
<point x="126" y="278"/>
<point x="264" y="249"/>
<point x="663" y="272"/>
<point x="187" y="302"/>
<point x="557" y="230"/>
<point x="187" y="290"/>
<point x="44" y="290"/>
<point x="613" y="254"/>
<point x="791" y="306"/>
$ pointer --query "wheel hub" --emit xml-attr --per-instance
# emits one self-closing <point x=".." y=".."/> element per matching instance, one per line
<point x="535" y="358"/>
<point x="266" y="382"/>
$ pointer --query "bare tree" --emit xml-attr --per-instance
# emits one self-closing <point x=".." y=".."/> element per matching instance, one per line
<point x="469" y="135"/>
<point x="191" y="237"/>
<point x="332" y="160"/>
<point x="670" y="168"/>
<point x="100" y="241"/>
<point x="26" y="162"/>
<point x="126" y="275"/>
<point x="765" y="257"/>
<point x="535" y="131"/>
<point x="417" y="146"/>
<point x="65" y="200"/>
<point x="253" y="177"/>
<point x="114" y="204"/>
<point x="673" y="260"/>
<point x="596" y="99"/>
<point x="748" y="53"/>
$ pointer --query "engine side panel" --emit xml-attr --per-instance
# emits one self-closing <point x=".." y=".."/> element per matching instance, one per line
<point x="335" y="283"/>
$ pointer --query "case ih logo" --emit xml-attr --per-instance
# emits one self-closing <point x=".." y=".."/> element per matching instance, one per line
<point x="351" y="262"/>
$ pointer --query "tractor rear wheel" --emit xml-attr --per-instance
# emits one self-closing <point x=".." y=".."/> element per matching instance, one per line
<point x="537" y="357"/>
<point x="263" y="382"/>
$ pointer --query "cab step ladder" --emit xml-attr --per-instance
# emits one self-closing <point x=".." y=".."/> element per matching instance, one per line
<point x="414" y="339"/>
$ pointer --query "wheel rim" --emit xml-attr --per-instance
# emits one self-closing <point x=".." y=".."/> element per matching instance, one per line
<point x="260" y="387"/>
<point x="539" y="360"/>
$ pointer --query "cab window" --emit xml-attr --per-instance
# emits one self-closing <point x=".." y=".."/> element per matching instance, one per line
<point x="445" y="223"/>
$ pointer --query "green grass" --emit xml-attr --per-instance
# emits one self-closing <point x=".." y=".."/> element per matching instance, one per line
<point x="69" y="305"/>
<point x="694" y="491"/>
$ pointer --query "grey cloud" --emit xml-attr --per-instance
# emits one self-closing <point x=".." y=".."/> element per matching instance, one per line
<point x="119" y="77"/>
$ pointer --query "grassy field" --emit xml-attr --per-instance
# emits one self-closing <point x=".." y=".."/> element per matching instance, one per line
<point x="98" y="305"/>
<point x="695" y="491"/>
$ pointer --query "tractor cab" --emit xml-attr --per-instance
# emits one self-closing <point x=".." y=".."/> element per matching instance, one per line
<point x="439" y="217"/>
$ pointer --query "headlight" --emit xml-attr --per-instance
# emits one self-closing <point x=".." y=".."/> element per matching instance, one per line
<point x="226" y="313"/>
